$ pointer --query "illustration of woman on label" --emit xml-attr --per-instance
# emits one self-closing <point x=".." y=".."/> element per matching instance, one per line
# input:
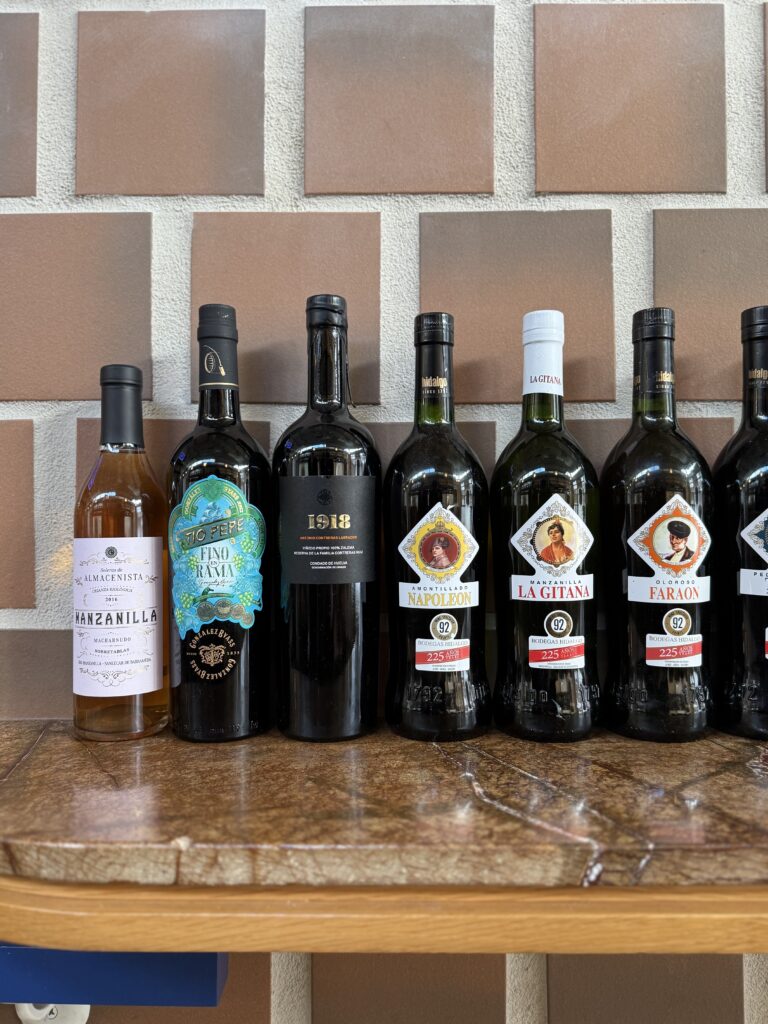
<point x="677" y="549"/>
<point x="439" y="549"/>
<point x="557" y="551"/>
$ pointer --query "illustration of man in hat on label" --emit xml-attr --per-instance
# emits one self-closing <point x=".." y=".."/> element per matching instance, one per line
<point x="679" y="532"/>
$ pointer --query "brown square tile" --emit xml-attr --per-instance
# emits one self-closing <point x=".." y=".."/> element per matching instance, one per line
<point x="488" y="269"/>
<point x="665" y="989"/>
<point x="75" y="293"/>
<point x="398" y="99"/>
<point x="597" y="437"/>
<point x="630" y="98"/>
<point x="266" y="264"/>
<point x="246" y="998"/>
<point x="161" y="438"/>
<point x="400" y="989"/>
<point x="480" y="436"/>
<point x="18" y="111"/>
<point x="170" y="102"/>
<point x="709" y="265"/>
<point x="17" y="467"/>
<point x="46" y="655"/>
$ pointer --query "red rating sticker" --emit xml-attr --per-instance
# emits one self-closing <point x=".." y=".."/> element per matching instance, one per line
<point x="667" y="651"/>
<point x="556" y="652"/>
<point x="442" y="655"/>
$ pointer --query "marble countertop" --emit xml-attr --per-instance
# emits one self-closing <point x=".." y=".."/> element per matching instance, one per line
<point x="382" y="811"/>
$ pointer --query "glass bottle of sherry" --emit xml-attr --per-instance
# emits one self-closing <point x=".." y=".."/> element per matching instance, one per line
<point x="741" y="515"/>
<point x="657" y="517"/>
<point x="436" y="536"/>
<point x="544" y="513"/>
<point x="328" y="478"/>
<point x="218" y="538"/>
<point x="120" y="653"/>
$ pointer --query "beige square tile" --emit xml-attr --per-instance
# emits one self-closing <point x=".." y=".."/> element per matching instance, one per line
<point x="170" y="102"/>
<point x="266" y="265"/>
<point x="400" y="989"/>
<point x="709" y="265"/>
<point x="630" y="98"/>
<point x="18" y="111"/>
<point x="398" y="99"/>
<point x="488" y="269"/>
<point x="17" y="469"/>
<point x="75" y="293"/>
<point x="46" y="655"/>
<point x="645" y="989"/>
<point x="161" y="438"/>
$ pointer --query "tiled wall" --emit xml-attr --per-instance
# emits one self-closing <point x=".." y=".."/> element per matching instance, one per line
<point x="487" y="160"/>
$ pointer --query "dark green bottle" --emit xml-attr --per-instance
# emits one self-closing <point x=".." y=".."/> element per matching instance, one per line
<point x="657" y="516"/>
<point x="741" y="515"/>
<point x="544" y="515"/>
<point x="436" y="528"/>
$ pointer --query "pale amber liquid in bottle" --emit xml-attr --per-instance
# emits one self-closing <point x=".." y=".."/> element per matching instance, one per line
<point x="122" y="498"/>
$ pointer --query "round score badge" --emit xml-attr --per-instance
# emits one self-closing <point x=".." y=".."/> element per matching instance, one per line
<point x="677" y="622"/>
<point x="558" y="623"/>
<point x="444" y="627"/>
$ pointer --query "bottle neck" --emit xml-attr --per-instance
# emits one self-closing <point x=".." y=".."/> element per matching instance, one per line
<point x="219" y="385"/>
<point x="755" y="384"/>
<point x="543" y="386"/>
<point x="121" y="422"/>
<point x="653" y="402"/>
<point x="434" y="385"/>
<point x="327" y="381"/>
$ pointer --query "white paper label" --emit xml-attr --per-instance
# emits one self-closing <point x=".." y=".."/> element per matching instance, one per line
<point x="556" y="652"/>
<point x="118" y="624"/>
<point x="439" y="549"/>
<point x="663" y="650"/>
<point x="673" y="542"/>
<point x="442" y="655"/>
<point x="538" y="588"/>
<point x="555" y="541"/>
<point x="543" y="368"/>
<point x="687" y="589"/>
<point x="753" y="582"/>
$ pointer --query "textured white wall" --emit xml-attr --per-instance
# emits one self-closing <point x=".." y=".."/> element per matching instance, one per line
<point x="172" y="227"/>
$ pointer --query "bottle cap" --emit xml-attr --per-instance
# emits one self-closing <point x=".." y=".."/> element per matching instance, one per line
<point x="754" y="323"/>
<point x="654" y="322"/>
<point x="120" y="373"/>
<point x="543" y="325"/>
<point x="326" y="311"/>
<point x="217" y="320"/>
<point x="433" y="329"/>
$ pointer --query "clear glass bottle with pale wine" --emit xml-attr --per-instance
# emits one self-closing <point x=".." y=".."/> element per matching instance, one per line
<point x="741" y="518"/>
<point x="218" y="540"/>
<point x="657" y="518"/>
<point x="120" y="651"/>
<point x="328" y="482"/>
<point x="544" y="516"/>
<point x="436" y="542"/>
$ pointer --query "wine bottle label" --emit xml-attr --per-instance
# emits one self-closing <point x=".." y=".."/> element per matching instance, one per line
<point x="328" y="529"/>
<point x="673" y="542"/>
<point x="556" y="652"/>
<point x="216" y="543"/>
<point x="543" y="368"/>
<point x="754" y="582"/>
<point x="118" y="628"/>
<point x="554" y="541"/>
<point x="442" y="655"/>
<point x="439" y="549"/>
<point x="664" y="650"/>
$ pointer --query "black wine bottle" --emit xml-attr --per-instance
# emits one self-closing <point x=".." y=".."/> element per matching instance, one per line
<point x="328" y="480"/>
<point x="741" y="518"/>
<point x="544" y="514"/>
<point x="436" y="527"/>
<point x="657" y="493"/>
<point x="219" y="532"/>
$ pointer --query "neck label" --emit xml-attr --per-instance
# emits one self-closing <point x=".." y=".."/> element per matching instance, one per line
<point x="218" y="363"/>
<point x="543" y="368"/>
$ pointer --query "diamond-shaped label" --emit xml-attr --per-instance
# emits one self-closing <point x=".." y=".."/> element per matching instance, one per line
<point x="673" y="541"/>
<point x="439" y="547"/>
<point x="756" y="535"/>
<point x="555" y="540"/>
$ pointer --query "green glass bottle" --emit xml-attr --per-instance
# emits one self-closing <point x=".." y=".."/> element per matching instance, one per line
<point x="657" y="517"/>
<point x="436" y="530"/>
<point x="544" y="515"/>
<point x="741" y="516"/>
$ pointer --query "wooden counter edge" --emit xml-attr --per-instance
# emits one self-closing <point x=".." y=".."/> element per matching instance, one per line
<point x="724" y="919"/>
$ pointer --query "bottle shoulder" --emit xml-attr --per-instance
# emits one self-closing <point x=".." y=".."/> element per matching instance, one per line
<point x="126" y="476"/>
<point x="435" y="452"/>
<point x="234" y="442"/>
<point x="320" y="443"/>
<point x="744" y="455"/>
<point x="531" y="455"/>
<point x="645" y="454"/>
